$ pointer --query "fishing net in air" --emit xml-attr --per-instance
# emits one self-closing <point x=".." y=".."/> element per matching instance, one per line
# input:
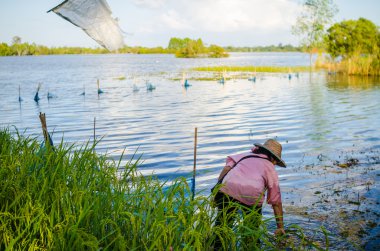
<point x="94" y="17"/>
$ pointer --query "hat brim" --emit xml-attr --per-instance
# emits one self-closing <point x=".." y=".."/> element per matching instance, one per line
<point x="280" y="162"/>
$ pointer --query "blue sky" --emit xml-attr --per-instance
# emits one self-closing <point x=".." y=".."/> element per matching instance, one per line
<point x="154" y="22"/>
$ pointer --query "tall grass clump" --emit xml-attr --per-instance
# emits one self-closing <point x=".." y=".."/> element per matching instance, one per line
<point x="70" y="198"/>
<point x="368" y="65"/>
<point x="359" y="65"/>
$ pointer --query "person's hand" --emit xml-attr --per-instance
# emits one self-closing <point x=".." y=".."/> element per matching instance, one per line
<point x="279" y="232"/>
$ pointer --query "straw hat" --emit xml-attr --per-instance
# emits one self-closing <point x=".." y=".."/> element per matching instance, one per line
<point x="275" y="149"/>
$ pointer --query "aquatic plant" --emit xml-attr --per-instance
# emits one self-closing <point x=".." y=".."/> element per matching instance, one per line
<point x="71" y="198"/>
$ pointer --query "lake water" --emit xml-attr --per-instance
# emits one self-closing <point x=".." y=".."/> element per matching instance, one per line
<point x="315" y="116"/>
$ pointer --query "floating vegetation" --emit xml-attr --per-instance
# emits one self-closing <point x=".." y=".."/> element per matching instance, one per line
<point x="120" y="78"/>
<point x="350" y="162"/>
<point x="197" y="79"/>
<point x="72" y="198"/>
<point x="270" y="69"/>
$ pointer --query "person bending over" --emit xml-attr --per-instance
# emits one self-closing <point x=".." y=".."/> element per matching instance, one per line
<point x="245" y="179"/>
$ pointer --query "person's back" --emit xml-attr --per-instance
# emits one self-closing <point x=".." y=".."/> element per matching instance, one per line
<point x="249" y="179"/>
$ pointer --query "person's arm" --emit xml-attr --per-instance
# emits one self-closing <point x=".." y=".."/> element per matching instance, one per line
<point x="225" y="170"/>
<point x="278" y="213"/>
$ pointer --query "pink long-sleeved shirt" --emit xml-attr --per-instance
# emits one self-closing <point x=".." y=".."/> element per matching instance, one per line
<point x="250" y="178"/>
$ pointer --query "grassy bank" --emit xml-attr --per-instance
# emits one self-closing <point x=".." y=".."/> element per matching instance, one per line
<point x="70" y="198"/>
<point x="355" y="65"/>
<point x="270" y="69"/>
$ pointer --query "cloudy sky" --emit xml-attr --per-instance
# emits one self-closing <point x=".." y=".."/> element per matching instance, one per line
<point x="154" y="22"/>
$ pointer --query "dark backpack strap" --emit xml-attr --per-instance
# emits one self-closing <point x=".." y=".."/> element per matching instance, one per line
<point x="245" y="157"/>
<point x="250" y="156"/>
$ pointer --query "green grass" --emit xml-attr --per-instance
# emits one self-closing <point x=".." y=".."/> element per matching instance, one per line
<point x="70" y="198"/>
<point x="270" y="69"/>
<point x="357" y="65"/>
<point x="120" y="78"/>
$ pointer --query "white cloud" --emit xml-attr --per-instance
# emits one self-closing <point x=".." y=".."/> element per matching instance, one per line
<point x="173" y="20"/>
<point x="246" y="20"/>
<point x="223" y="15"/>
<point x="235" y="15"/>
<point x="149" y="3"/>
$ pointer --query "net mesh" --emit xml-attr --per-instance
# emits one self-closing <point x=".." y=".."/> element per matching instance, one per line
<point x="94" y="17"/>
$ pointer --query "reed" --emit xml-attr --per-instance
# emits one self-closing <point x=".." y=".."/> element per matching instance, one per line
<point x="270" y="69"/>
<point x="361" y="65"/>
<point x="71" y="198"/>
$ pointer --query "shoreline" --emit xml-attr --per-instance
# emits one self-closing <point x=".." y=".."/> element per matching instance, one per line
<point x="344" y="199"/>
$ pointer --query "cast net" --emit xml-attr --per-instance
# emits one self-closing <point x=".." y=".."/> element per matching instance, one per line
<point x="94" y="17"/>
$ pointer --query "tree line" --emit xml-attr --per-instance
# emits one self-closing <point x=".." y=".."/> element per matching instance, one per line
<point x="181" y="47"/>
<point x="269" y="48"/>
<point x="185" y="48"/>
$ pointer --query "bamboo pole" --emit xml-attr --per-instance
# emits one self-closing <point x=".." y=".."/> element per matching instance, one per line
<point x="94" y="132"/>
<point x="195" y="160"/>
<point x="19" y="93"/>
<point x="44" y="128"/>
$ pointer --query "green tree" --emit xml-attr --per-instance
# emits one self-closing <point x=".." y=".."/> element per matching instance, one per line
<point x="176" y="43"/>
<point x="353" y="37"/>
<point x="312" y="23"/>
<point x="216" y="51"/>
<point x="16" y="40"/>
<point x="5" y="50"/>
<point x="191" y="48"/>
<point x="17" y="46"/>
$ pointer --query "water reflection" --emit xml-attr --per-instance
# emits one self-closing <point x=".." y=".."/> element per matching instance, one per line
<point x="341" y="82"/>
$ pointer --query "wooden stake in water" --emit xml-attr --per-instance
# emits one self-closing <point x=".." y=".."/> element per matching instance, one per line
<point x="99" y="90"/>
<point x="36" y="97"/>
<point x="19" y="94"/>
<point x="195" y="161"/>
<point x="94" y="128"/>
<point x="44" y="128"/>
